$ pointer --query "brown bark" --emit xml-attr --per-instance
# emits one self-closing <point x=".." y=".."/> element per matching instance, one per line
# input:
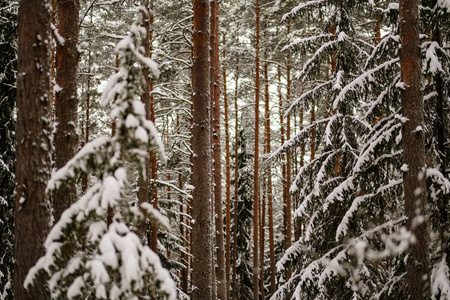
<point x="66" y="100"/>
<point x="143" y="182"/>
<point x="220" y="249"/>
<point x="84" y="180"/>
<point x="269" y="181"/>
<point x="153" y="166"/>
<point x="236" y="178"/>
<point x="288" y="237"/>
<point x="201" y="208"/>
<point x="228" y="181"/>
<point x="256" y="165"/>
<point x="283" y="166"/>
<point x="414" y="179"/>
<point x="33" y="163"/>
<point x="212" y="66"/>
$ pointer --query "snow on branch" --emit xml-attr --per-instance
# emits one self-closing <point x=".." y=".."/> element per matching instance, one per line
<point x="302" y="6"/>
<point x="362" y="80"/>
<point x="112" y="263"/>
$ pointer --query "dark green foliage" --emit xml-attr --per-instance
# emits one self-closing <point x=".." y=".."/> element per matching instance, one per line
<point x="8" y="65"/>
<point x="244" y="265"/>
<point x="354" y="245"/>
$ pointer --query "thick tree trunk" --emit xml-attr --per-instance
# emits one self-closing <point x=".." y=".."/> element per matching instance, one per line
<point x="201" y="179"/>
<point x="33" y="163"/>
<point x="256" y="165"/>
<point x="414" y="178"/>
<point x="66" y="100"/>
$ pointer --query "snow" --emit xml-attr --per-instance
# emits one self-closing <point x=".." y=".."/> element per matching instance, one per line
<point x="432" y="62"/>
<point x="440" y="282"/>
<point x="302" y="6"/>
<point x="75" y="288"/>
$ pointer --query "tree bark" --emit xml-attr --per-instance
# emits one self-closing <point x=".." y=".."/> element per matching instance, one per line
<point x="143" y="193"/>
<point x="33" y="164"/>
<point x="228" y="181"/>
<point x="236" y="178"/>
<point x="288" y="237"/>
<point x="66" y="99"/>
<point x="201" y="147"/>
<point x="153" y="164"/>
<point x="414" y="178"/>
<point x="269" y="181"/>
<point x="220" y="250"/>
<point x="256" y="164"/>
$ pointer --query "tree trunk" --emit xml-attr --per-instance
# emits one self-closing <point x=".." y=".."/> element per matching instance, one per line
<point x="33" y="163"/>
<point x="143" y="182"/>
<point x="269" y="181"/>
<point x="212" y="49"/>
<point x="84" y="179"/>
<point x="414" y="178"/>
<point x="288" y="238"/>
<point x="228" y="181"/>
<point x="220" y="248"/>
<point x="66" y="99"/>
<point x="201" y="147"/>
<point x="236" y="178"/>
<point x="256" y="166"/>
<point x="153" y="166"/>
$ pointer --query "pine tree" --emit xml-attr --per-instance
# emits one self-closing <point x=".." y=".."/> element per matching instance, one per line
<point x="201" y="147"/>
<point x="113" y="264"/>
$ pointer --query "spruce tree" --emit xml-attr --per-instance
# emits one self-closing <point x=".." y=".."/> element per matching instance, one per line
<point x="111" y="263"/>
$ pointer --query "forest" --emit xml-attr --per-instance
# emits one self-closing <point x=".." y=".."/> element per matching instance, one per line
<point x="225" y="150"/>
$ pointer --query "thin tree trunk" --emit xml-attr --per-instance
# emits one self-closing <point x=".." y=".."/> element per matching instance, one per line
<point x="84" y="180"/>
<point x="236" y="178"/>
<point x="414" y="178"/>
<point x="269" y="181"/>
<point x="66" y="99"/>
<point x="228" y="181"/>
<point x="201" y="179"/>
<point x="220" y="250"/>
<point x="256" y="165"/>
<point x="261" y="243"/>
<point x="143" y="182"/>
<point x="288" y="238"/>
<point x="33" y="157"/>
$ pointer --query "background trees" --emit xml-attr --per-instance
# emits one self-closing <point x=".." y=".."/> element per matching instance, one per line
<point x="8" y="63"/>
<point x="325" y="144"/>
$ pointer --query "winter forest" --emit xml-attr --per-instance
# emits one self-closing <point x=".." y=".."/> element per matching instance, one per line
<point x="225" y="150"/>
